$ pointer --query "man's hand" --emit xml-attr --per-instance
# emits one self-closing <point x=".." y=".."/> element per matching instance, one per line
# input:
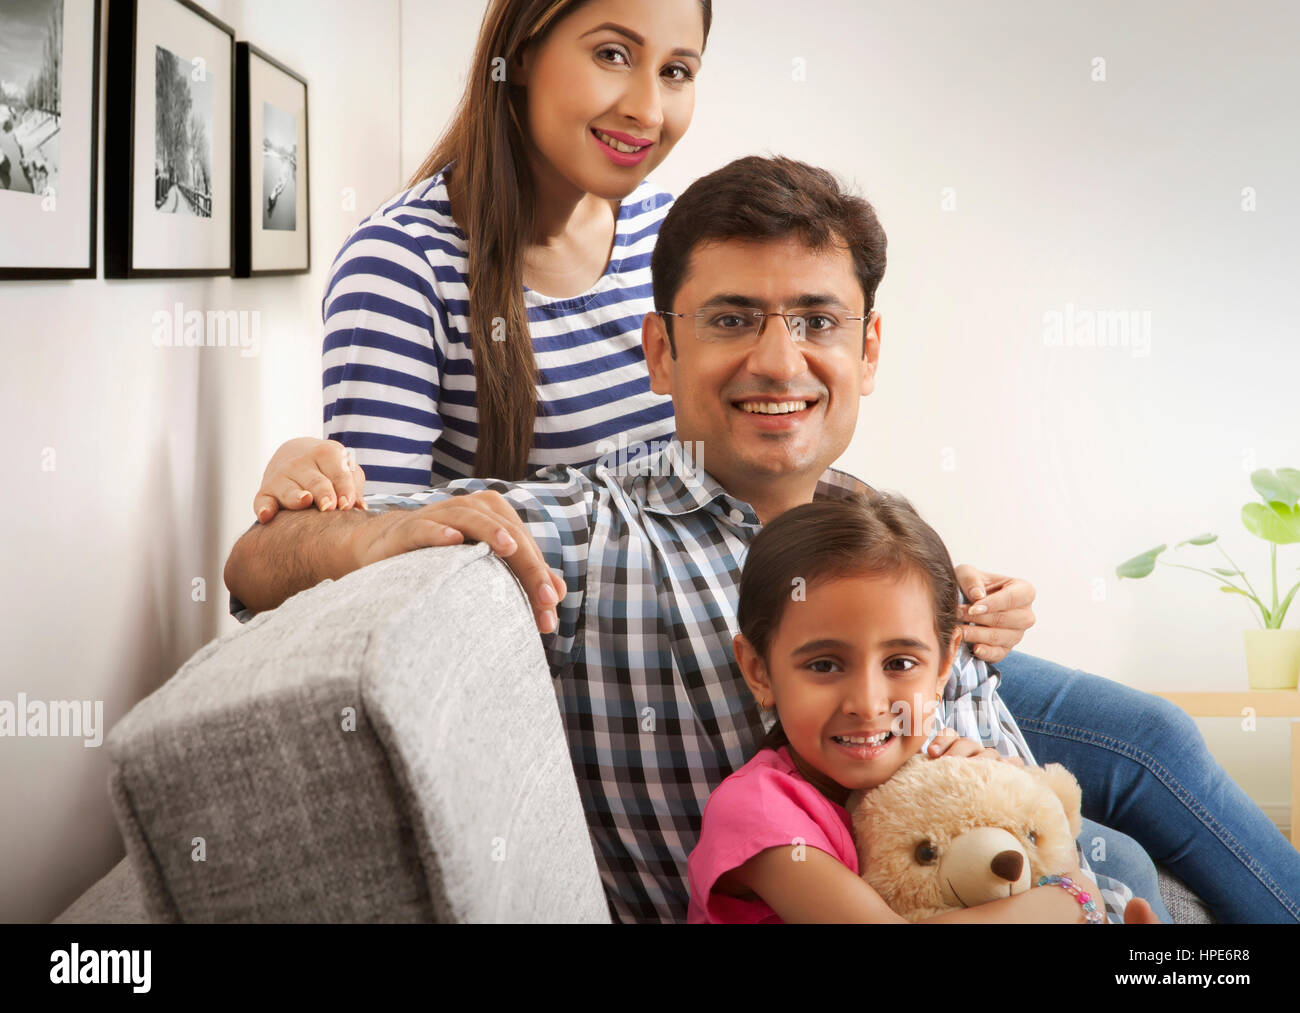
<point x="298" y="549"/>
<point x="948" y="743"/>
<point x="484" y="516"/>
<point x="998" y="614"/>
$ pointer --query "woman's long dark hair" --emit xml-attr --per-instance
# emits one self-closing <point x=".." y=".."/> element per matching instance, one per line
<point x="496" y="197"/>
<point x="875" y="534"/>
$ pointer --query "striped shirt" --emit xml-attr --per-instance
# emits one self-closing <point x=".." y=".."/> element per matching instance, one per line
<point x="398" y="373"/>
<point x="654" y="706"/>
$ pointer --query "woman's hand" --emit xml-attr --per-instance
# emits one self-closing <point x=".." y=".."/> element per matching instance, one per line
<point x="948" y="743"/>
<point x="305" y="471"/>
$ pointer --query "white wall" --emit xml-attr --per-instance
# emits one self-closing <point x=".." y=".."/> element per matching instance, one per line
<point x="158" y="452"/>
<point x="1115" y="195"/>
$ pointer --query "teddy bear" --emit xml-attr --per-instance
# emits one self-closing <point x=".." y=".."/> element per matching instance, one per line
<point x="955" y="832"/>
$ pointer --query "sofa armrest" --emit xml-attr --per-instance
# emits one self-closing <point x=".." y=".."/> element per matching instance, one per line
<point x="115" y="899"/>
<point x="385" y="747"/>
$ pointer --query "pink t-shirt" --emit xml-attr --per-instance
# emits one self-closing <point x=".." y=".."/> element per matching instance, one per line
<point x="766" y="803"/>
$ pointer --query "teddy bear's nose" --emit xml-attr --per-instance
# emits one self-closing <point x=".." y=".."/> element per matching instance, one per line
<point x="1007" y="865"/>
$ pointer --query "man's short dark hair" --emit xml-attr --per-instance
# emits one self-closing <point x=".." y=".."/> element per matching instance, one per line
<point x="757" y="198"/>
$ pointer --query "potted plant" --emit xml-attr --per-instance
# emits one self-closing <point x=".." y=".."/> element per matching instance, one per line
<point x="1272" y="653"/>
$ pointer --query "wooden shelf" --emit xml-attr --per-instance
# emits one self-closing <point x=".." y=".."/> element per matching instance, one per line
<point x="1266" y="703"/>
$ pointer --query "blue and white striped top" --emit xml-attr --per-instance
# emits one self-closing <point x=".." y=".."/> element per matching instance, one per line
<point x="399" y="386"/>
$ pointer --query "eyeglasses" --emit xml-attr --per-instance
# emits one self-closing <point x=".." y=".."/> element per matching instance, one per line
<point x="823" y="327"/>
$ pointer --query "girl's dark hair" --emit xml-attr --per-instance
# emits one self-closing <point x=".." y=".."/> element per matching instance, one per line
<point x="493" y="190"/>
<point x="757" y="198"/>
<point x="872" y="534"/>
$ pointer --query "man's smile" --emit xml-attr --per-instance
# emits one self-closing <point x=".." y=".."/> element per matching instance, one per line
<point x="771" y="413"/>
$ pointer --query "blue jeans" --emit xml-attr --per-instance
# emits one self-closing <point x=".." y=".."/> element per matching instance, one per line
<point x="1145" y="771"/>
<point x="1124" y="859"/>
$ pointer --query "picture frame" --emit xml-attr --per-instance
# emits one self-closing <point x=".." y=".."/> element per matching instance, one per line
<point x="169" y="141"/>
<point x="49" y="139"/>
<point x="272" y="167"/>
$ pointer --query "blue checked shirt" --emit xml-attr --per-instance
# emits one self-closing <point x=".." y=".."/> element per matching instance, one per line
<point x="655" y="709"/>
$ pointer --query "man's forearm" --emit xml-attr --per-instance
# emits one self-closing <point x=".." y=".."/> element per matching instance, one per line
<point x="295" y="550"/>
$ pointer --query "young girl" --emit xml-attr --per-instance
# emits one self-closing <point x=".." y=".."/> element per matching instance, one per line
<point x="848" y="618"/>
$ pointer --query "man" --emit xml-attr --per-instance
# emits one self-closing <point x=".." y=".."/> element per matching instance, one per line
<point x="638" y="623"/>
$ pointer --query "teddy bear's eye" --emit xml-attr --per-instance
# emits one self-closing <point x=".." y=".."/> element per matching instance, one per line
<point x="925" y="853"/>
<point x="1032" y="835"/>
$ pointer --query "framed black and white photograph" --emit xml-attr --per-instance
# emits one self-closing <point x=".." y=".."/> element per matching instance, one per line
<point x="169" y="142"/>
<point x="272" y="198"/>
<point x="49" y="120"/>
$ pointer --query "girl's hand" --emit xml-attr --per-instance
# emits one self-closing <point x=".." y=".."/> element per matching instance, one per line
<point x="993" y="754"/>
<point x="947" y="743"/>
<point x="1061" y="904"/>
<point x="305" y="471"/>
<point x="1086" y="884"/>
<point x="1138" y="912"/>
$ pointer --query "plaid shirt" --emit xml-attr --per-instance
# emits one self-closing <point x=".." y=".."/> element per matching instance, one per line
<point x="654" y="706"/>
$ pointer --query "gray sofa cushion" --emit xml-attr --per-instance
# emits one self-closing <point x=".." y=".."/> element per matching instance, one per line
<point x="452" y="799"/>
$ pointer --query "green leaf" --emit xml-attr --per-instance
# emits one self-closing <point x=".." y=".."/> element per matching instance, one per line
<point x="1222" y="572"/>
<point x="1290" y="478"/>
<point x="1274" y="522"/>
<point x="1205" y="539"/>
<point x="1140" y="566"/>
<point x="1286" y="604"/>
<point x="1246" y="594"/>
<point x="1282" y="486"/>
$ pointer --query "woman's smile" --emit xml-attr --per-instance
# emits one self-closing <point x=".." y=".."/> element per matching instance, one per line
<point x="620" y="155"/>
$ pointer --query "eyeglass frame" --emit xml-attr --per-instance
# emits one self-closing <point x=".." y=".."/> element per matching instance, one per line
<point x="764" y="314"/>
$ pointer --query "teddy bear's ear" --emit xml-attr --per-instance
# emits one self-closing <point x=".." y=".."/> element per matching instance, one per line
<point x="1062" y="782"/>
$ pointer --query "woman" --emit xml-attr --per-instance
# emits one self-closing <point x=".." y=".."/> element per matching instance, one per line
<point x="525" y="239"/>
<point x="555" y="230"/>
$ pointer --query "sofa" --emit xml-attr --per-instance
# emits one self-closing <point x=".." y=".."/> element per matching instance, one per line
<point x="381" y="748"/>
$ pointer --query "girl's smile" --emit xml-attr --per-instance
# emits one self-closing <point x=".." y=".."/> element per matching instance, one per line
<point x="866" y="745"/>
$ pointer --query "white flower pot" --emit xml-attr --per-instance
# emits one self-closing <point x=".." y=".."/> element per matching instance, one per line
<point x="1273" y="658"/>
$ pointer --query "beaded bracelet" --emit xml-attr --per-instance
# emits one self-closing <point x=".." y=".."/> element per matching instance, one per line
<point x="1093" y="917"/>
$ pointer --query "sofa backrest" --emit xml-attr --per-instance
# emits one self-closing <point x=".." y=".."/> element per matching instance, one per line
<point x="385" y="747"/>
